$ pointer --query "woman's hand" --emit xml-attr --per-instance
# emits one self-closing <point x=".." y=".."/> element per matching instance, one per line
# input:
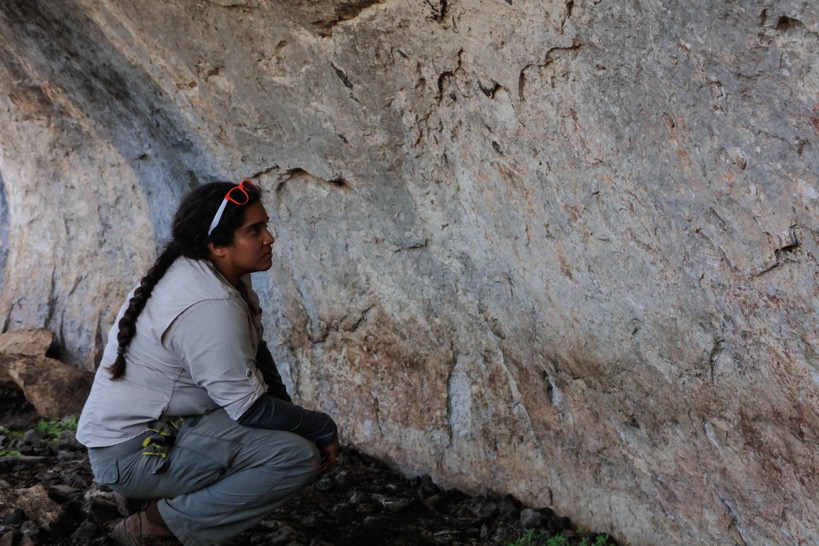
<point x="329" y="456"/>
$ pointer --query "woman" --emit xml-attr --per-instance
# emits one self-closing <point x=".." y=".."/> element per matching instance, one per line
<point x="187" y="411"/>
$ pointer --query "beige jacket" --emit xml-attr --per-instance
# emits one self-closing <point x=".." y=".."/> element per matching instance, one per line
<point x="194" y="352"/>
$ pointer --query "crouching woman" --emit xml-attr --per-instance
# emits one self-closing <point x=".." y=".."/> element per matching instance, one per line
<point x="188" y="412"/>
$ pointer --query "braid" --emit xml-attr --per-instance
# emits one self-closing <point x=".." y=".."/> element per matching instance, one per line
<point x="127" y="324"/>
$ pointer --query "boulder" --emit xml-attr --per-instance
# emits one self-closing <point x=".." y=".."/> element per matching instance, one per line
<point x="22" y="343"/>
<point x="35" y="503"/>
<point x="56" y="390"/>
<point x="26" y="342"/>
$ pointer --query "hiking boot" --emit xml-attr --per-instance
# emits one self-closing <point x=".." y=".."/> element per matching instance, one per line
<point x="136" y="530"/>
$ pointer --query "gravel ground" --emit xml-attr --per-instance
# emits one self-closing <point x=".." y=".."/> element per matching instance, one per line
<point x="361" y="502"/>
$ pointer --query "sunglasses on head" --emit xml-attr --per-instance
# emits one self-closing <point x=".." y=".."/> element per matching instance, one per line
<point x="238" y="195"/>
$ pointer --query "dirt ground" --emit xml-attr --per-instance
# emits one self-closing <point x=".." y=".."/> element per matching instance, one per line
<point x="361" y="502"/>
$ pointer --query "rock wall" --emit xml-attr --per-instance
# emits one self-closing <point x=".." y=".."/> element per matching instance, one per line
<point x="560" y="249"/>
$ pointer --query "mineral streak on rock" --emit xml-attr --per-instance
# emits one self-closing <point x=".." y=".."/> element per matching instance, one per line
<point x="563" y="250"/>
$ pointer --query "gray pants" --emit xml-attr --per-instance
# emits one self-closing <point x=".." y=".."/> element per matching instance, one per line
<point x="220" y="478"/>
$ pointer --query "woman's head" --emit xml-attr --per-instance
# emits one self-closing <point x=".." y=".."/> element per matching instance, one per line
<point x="198" y="210"/>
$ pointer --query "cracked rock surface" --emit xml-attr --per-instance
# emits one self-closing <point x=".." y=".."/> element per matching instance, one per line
<point x="563" y="250"/>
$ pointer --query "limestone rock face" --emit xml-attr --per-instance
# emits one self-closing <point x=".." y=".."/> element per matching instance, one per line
<point x="561" y="249"/>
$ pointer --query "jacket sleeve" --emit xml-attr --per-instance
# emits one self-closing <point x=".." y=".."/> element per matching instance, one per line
<point x="270" y="373"/>
<point x="272" y="413"/>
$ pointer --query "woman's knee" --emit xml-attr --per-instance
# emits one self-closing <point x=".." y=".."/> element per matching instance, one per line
<point x="307" y="454"/>
<point x="301" y="458"/>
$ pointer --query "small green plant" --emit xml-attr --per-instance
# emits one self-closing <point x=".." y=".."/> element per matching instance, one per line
<point x="71" y="423"/>
<point x="601" y="540"/>
<point x="558" y="540"/>
<point x="53" y="427"/>
<point x="533" y="537"/>
<point x="11" y="433"/>
<point x="10" y="453"/>
<point x="529" y="538"/>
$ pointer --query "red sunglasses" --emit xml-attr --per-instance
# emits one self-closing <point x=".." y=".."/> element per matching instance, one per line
<point x="238" y="195"/>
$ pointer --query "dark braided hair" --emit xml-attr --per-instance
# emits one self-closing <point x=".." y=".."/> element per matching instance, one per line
<point x="190" y="239"/>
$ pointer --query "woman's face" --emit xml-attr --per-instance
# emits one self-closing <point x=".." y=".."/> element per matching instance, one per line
<point x="251" y="248"/>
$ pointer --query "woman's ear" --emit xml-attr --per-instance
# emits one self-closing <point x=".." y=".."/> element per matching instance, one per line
<point x="216" y="251"/>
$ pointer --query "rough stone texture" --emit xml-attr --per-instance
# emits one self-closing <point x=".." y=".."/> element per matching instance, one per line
<point x="53" y="388"/>
<point x="561" y="249"/>
<point x="36" y="504"/>
<point x="26" y="342"/>
<point x="56" y="390"/>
